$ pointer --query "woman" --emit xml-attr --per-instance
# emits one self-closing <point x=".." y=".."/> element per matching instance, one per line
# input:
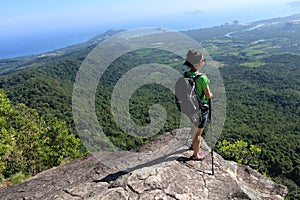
<point x="195" y="61"/>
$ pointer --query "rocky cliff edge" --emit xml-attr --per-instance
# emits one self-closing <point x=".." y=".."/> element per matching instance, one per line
<point x="158" y="170"/>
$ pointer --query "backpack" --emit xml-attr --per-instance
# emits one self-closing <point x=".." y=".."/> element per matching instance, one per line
<point x="186" y="98"/>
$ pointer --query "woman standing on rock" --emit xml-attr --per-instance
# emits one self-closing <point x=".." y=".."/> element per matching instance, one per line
<point x="195" y="61"/>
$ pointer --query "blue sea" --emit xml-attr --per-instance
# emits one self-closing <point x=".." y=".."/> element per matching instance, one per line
<point x="11" y="47"/>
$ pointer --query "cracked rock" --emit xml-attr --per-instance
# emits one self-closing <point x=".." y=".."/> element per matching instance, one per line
<point x="159" y="170"/>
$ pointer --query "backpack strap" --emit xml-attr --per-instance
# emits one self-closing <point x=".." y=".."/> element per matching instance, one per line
<point x="195" y="77"/>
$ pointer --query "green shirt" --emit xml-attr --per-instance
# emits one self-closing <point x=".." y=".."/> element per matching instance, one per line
<point x="201" y="83"/>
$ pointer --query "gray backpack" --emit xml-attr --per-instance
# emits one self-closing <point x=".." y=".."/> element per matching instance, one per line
<point x="186" y="98"/>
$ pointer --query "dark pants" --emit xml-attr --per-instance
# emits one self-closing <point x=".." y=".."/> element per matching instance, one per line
<point x="202" y="120"/>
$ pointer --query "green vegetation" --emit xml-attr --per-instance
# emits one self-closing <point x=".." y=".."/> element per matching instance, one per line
<point x="252" y="64"/>
<point x="240" y="152"/>
<point x="30" y="143"/>
<point x="263" y="110"/>
<point x="140" y="101"/>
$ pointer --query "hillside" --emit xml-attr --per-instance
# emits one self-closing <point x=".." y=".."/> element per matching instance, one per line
<point x="260" y="72"/>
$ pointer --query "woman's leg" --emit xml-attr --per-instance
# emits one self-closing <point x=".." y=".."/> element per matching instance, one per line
<point x="197" y="141"/>
<point x="193" y="132"/>
<point x="199" y="131"/>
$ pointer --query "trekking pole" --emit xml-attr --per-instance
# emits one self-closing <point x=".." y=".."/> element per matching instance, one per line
<point x="211" y="138"/>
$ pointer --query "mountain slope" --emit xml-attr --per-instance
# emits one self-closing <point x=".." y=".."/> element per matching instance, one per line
<point x="159" y="170"/>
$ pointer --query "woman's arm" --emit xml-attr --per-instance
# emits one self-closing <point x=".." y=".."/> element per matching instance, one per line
<point x="207" y="92"/>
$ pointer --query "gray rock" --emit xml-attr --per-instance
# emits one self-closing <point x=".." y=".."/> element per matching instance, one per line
<point x="158" y="170"/>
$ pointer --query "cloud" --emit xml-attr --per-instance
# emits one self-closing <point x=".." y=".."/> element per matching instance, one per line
<point x="194" y="12"/>
<point x="294" y="4"/>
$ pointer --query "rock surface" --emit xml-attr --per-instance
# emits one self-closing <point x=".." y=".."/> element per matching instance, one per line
<point x="158" y="170"/>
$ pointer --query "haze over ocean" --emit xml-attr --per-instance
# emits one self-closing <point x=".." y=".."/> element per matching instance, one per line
<point x="32" y="27"/>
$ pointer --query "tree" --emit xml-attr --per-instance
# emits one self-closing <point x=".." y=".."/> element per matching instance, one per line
<point x="6" y="132"/>
<point x="240" y="152"/>
<point x="30" y="143"/>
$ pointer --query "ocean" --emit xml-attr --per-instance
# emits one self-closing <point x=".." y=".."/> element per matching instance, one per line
<point x="11" y="47"/>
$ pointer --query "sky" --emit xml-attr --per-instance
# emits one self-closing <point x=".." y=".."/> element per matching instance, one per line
<point x="61" y="22"/>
